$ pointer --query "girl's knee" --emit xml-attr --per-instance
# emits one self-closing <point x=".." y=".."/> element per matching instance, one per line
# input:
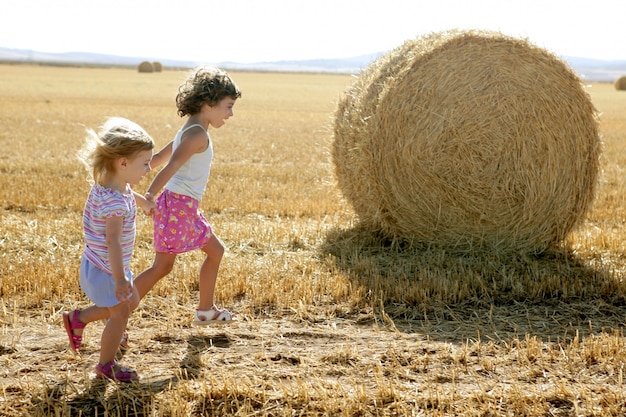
<point x="219" y="250"/>
<point x="163" y="268"/>
<point x="122" y="310"/>
<point x="214" y="249"/>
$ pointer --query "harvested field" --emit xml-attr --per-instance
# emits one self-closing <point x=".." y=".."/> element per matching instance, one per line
<point x="334" y="320"/>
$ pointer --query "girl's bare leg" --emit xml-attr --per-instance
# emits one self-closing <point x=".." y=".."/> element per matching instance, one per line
<point x="114" y="329"/>
<point x="89" y="314"/>
<point x="208" y="272"/>
<point x="163" y="264"/>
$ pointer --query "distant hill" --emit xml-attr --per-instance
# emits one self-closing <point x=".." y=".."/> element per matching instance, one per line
<point x="587" y="69"/>
<point x="347" y="65"/>
<point x="341" y="65"/>
<point x="597" y="69"/>
<point x="81" y="58"/>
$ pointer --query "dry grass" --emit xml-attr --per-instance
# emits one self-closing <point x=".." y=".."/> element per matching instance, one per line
<point x="335" y="321"/>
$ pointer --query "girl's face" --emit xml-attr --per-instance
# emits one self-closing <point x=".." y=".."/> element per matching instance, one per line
<point x="138" y="166"/>
<point x="222" y="111"/>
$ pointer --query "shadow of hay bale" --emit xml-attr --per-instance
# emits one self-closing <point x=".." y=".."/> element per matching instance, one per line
<point x="430" y="284"/>
<point x="431" y="275"/>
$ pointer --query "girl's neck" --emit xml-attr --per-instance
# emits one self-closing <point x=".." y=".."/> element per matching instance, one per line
<point x="114" y="183"/>
<point x="197" y="120"/>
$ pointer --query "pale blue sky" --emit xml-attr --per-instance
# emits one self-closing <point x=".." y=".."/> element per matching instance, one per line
<point x="269" y="30"/>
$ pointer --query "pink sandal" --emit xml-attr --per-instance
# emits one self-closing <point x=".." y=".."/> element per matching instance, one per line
<point x="70" y="326"/>
<point x="123" y="375"/>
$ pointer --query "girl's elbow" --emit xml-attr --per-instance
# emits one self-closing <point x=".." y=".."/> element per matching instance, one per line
<point x="113" y="243"/>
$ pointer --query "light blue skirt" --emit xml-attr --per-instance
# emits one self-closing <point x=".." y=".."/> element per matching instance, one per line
<point x="99" y="286"/>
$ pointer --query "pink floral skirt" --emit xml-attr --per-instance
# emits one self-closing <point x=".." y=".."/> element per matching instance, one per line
<point x="179" y="226"/>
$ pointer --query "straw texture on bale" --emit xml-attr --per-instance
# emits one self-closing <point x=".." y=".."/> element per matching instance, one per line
<point x="620" y="83"/>
<point x="146" y="66"/>
<point x="158" y="67"/>
<point x="470" y="140"/>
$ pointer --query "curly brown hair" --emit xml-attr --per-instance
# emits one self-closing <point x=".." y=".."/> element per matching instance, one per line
<point x="204" y="84"/>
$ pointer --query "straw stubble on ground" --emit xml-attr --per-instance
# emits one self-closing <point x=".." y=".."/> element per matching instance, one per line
<point x="334" y="367"/>
<point x="333" y="320"/>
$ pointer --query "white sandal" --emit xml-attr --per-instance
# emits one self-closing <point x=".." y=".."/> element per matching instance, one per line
<point x="213" y="316"/>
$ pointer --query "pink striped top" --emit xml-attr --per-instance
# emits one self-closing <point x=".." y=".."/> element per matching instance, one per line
<point x="101" y="203"/>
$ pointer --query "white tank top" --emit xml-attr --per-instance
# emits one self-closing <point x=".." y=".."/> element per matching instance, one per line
<point x="191" y="178"/>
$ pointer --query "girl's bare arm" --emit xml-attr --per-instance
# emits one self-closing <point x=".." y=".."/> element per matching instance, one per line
<point x="162" y="156"/>
<point x="113" y="230"/>
<point x="189" y="146"/>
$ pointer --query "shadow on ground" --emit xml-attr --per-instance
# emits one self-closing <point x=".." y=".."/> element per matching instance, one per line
<point x="488" y="295"/>
<point x="100" y="398"/>
<point x="191" y="366"/>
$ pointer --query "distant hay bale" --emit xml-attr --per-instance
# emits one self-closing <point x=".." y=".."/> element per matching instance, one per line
<point x="158" y="67"/>
<point x="468" y="140"/>
<point x="620" y="83"/>
<point x="146" y="66"/>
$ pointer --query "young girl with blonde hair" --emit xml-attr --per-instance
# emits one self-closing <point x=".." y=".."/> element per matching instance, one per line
<point x="116" y="158"/>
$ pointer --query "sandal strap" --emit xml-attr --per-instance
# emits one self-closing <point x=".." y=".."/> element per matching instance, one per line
<point x="124" y="374"/>
<point x="76" y="323"/>
<point x="72" y="324"/>
<point x="223" y="315"/>
<point x="216" y="314"/>
<point x="106" y="369"/>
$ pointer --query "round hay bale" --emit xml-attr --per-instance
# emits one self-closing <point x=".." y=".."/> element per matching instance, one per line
<point x="158" y="67"/>
<point x="620" y="83"/>
<point x="468" y="140"/>
<point x="146" y="66"/>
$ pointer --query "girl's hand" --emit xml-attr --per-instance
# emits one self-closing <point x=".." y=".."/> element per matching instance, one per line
<point x="149" y="207"/>
<point x="123" y="291"/>
<point x="145" y="202"/>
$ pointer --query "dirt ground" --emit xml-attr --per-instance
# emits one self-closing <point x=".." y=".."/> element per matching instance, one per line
<point x="342" y="366"/>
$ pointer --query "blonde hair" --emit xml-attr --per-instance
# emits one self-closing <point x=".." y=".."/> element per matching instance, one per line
<point x="117" y="138"/>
